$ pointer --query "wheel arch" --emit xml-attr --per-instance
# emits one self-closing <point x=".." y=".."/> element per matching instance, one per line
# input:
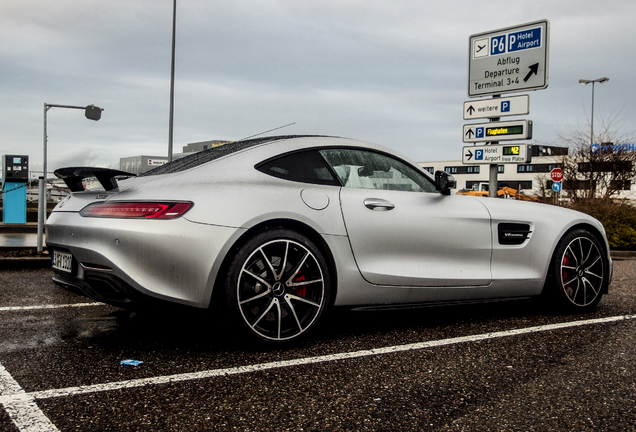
<point x="290" y="224"/>
<point x="599" y="237"/>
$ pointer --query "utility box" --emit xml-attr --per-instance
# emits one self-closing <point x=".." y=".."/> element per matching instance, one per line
<point x="15" y="177"/>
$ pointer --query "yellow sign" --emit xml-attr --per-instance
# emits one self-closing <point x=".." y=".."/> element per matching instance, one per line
<point x="513" y="130"/>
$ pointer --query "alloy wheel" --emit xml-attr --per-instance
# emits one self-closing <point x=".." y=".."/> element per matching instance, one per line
<point x="281" y="290"/>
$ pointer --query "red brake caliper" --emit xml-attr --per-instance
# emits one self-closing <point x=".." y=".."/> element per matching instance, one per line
<point x="566" y="261"/>
<point x="300" y="291"/>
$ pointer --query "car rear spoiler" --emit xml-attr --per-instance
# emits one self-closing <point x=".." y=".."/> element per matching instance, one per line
<point x="74" y="176"/>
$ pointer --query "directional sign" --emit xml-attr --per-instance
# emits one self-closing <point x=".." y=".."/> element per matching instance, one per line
<point x="498" y="131"/>
<point x="509" y="60"/>
<point x="497" y="107"/>
<point x="556" y="174"/>
<point x="497" y="154"/>
<point x="556" y="186"/>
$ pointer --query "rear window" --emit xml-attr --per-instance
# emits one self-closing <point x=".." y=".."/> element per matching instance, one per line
<point x="303" y="166"/>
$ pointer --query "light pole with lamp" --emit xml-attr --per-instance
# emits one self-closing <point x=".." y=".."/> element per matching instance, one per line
<point x="586" y="82"/>
<point x="91" y="112"/>
<point x="171" y="119"/>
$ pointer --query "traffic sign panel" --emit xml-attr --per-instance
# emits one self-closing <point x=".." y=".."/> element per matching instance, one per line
<point x="497" y="107"/>
<point x="498" y="131"/>
<point x="509" y="60"/>
<point x="497" y="154"/>
<point x="556" y="174"/>
<point x="556" y="186"/>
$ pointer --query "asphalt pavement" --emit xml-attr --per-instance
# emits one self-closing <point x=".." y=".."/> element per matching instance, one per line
<point x="509" y="366"/>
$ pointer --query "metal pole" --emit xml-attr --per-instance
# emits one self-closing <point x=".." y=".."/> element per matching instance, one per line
<point x="493" y="173"/>
<point x="42" y="200"/>
<point x="592" y="120"/>
<point x="42" y="184"/>
<point x="171" y="121"/>
<point x="40" y="218"/>
<point x="492" y="180"/>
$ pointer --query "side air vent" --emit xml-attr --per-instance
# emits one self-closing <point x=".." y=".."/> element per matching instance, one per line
<point x="513" y="233"/>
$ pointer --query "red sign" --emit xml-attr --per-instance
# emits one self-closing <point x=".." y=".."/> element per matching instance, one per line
<point x="556" y="174"/>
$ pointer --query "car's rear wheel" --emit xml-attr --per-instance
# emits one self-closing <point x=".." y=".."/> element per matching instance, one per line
<point x="579" y="272"/>
<point x="278" y="286"/>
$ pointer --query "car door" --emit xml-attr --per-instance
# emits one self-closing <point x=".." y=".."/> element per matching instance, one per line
<point x="405" y="233"/>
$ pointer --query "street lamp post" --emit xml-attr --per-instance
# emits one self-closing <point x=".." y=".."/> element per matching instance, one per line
<point x="586" y="82"/>
<point x="171" y="119"/>
<point x="91" y="112"/>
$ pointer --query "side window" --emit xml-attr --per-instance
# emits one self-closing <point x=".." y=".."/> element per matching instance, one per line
<point x="303" y="166"/>
<point x="369" y="170"/>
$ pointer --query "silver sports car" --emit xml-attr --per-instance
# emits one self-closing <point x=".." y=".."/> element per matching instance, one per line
<point x="274" y="231"/>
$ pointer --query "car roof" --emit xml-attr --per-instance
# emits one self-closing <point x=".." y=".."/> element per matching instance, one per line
<point x="211" y="154"/>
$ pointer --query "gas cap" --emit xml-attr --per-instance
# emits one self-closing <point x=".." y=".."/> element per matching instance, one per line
<point x="315" y="199"/>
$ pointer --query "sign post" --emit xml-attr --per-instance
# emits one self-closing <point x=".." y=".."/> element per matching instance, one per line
<point x="497" y="154"/>
<point x="556" y="174"/>
<point x="497" y="107"/>
<point x="507" y="60"/>
<point x="495" y="131"/>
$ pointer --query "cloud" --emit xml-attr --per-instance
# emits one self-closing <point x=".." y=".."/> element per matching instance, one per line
<point x="394" y="73"/>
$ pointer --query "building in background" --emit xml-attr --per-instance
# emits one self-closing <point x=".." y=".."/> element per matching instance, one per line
<point x="141" y="164"/>
<point x="525" y="178"/>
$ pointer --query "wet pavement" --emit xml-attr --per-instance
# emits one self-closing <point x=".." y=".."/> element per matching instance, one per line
<point x="500" y="367"/>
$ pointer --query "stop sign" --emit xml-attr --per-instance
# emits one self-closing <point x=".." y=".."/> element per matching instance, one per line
<point x="556" y="174"/>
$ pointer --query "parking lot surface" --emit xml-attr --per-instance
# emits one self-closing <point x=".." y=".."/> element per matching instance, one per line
<point x="501" y="367"/>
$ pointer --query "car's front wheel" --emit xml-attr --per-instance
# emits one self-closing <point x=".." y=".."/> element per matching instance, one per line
<point x="278" y="285"/>
<point x="579" y="272"/>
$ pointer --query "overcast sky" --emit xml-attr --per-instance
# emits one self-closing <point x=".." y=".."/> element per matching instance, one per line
<point x="390" y="72"/>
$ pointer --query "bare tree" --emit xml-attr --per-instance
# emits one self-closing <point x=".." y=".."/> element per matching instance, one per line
<point x="601" y="166"/>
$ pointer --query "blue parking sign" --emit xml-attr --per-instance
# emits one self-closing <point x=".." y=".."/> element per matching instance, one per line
<point x="479" y="132"/>
<point x="498" y="45"/>
<point x="479" y="154"/>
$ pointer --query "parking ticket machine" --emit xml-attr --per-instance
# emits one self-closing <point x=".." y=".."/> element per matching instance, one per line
<point x="15" y="176"/>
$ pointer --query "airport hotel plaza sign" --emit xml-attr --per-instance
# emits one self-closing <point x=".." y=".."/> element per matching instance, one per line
<point x="509" y="60"/>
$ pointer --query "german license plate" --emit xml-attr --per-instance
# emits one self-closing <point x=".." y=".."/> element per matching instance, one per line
<point x="62" y="261"/>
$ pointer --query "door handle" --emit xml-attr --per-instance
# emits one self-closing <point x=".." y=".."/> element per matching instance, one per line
<point x="378" y="204"/>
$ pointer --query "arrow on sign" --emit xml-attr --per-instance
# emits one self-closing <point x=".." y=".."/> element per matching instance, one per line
<point x="470" y="110"/>
<point x="470" y="133"/>
<point x="534" y="69"/>
<point x="469" y="155"/>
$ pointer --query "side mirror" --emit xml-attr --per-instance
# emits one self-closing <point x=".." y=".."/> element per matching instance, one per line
<point x="444" y="182"/>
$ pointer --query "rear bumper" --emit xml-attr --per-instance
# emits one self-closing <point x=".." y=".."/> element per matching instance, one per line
<point x="104" y="288"/>
<point x="116" y="260"/>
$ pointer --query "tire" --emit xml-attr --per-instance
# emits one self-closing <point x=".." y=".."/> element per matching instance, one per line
<point x="277" y="286"/>
<point x="579" y="272"/>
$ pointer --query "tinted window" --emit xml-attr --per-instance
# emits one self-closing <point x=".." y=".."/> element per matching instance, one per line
<point x="370" y="170"/>
<point x="304" y="167"/>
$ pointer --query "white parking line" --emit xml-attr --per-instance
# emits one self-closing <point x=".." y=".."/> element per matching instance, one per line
<point x="22" y="409"/>
<point x="22" y="404"/>
<point x="23" y="308"/>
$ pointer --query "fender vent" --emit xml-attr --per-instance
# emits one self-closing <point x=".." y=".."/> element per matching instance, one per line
<point x="513" y="233"/>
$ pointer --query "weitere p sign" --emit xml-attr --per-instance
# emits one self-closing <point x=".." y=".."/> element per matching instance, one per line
<point x="509" y="60"/>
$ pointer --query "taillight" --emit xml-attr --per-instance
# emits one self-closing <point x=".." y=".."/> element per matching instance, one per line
<point x="136" y="210"/>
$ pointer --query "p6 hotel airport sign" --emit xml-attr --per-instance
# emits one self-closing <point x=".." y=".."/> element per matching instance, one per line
<point x="509" y="60"/>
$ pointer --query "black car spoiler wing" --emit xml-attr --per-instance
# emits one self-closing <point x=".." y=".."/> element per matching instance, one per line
<point x="107" y="177"/>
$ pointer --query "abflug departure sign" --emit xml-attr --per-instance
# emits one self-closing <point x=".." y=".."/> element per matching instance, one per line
<point x="509" y="60"/>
